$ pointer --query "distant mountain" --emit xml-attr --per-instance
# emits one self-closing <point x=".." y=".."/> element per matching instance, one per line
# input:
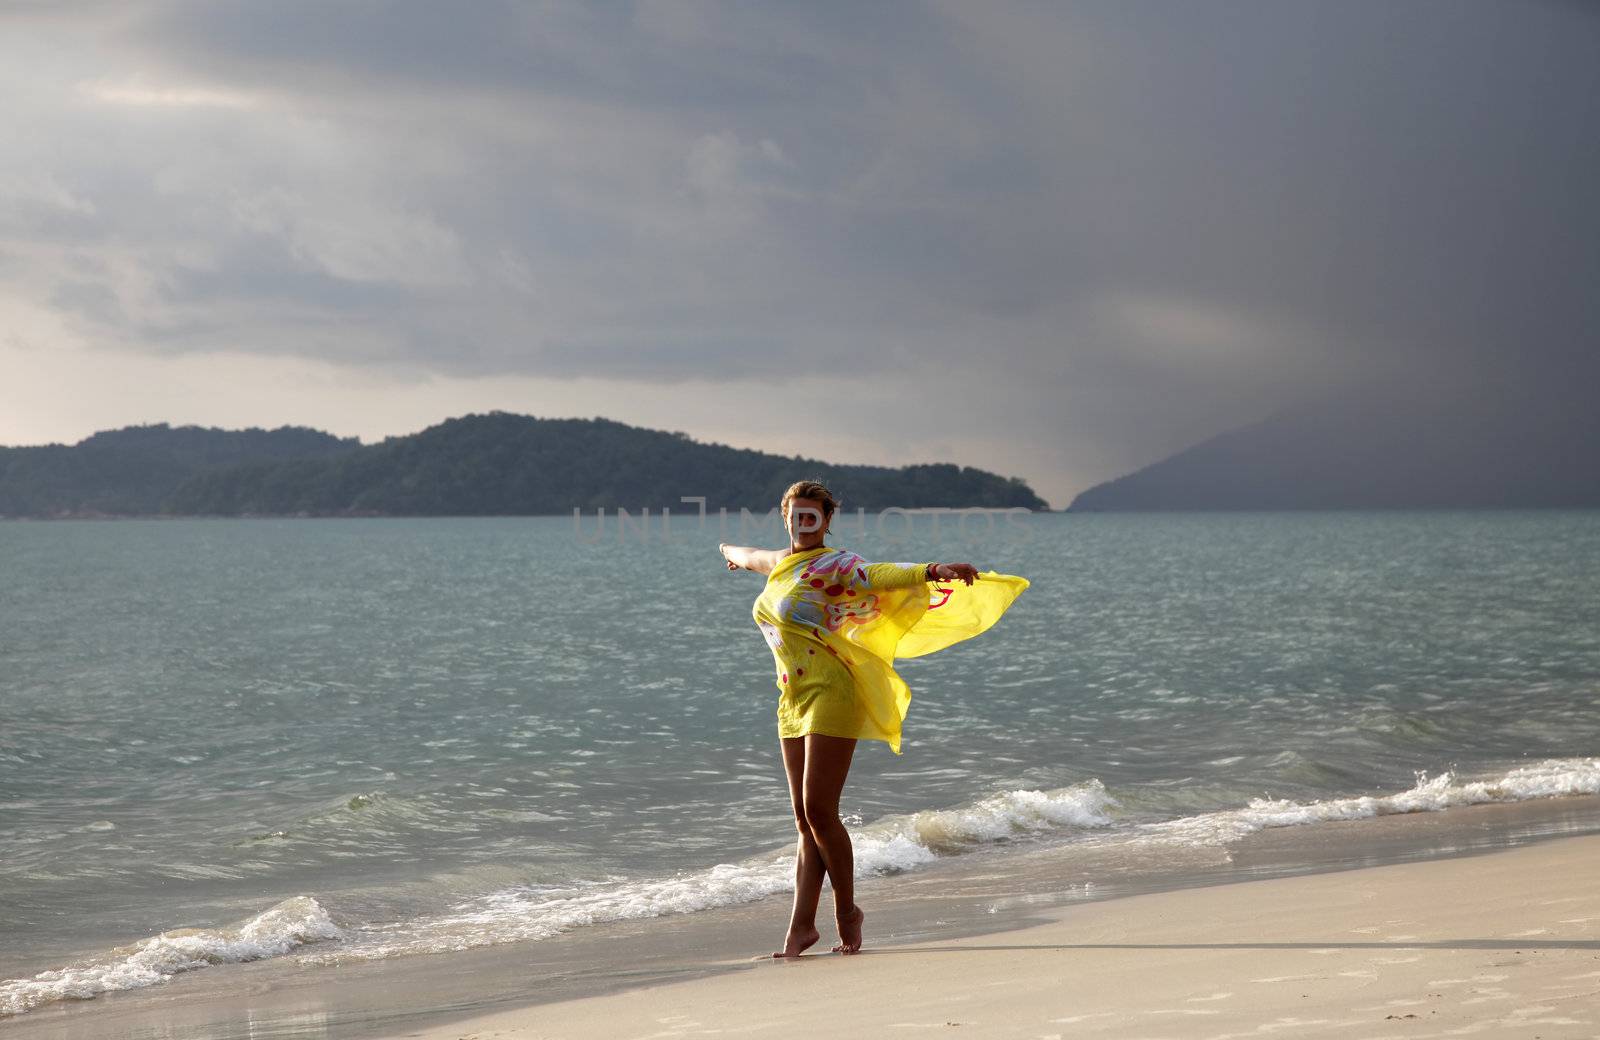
<point x="497" y="464"/>
<point x="137" y="469"/>
<point x="1383" y="448"/>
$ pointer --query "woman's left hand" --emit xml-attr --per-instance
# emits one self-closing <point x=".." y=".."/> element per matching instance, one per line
<point x="956" y="572"/>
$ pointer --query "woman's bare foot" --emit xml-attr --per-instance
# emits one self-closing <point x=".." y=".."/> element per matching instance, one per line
<point x="797" y="942"/>
<point x="850" y="931"/>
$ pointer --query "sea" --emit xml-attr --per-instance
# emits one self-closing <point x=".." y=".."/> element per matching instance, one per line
<point x="228" y="745"/>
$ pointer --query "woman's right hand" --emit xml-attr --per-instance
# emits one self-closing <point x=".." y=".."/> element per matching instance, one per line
<point x="747" y="558"/>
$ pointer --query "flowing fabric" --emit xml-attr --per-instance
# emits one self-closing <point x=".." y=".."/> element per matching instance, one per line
<point x="836" y="624"/>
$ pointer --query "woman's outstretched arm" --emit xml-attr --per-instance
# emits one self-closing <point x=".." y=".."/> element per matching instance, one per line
<point x="905" y="575"/>
<point x="751" y="559"/>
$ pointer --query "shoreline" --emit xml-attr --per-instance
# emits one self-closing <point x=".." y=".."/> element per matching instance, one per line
<point x="1505" y="944"/>
<point x="962" y="900"/>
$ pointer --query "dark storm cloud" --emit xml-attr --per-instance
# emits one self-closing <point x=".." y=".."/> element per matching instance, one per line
<point x="1137" y="223"/>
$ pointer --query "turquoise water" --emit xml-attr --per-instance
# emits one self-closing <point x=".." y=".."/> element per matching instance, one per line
<point x="349" y="739"/>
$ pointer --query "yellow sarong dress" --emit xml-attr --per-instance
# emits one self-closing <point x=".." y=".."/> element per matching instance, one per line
<point x="836" y="624"/>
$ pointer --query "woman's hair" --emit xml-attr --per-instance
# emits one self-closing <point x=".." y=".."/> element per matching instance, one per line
<point x="810" y="489"/>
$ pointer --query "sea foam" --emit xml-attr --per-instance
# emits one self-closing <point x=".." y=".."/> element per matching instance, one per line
<point x="271" y="933"/>
<point x="889" y="845"/>
<point x="1548" y="779"/>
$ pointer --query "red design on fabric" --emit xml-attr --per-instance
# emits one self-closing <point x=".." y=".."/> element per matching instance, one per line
<point x="859" y="611"/>
<point x="833" y="562"/>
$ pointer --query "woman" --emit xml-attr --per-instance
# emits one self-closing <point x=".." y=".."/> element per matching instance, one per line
<point x="835" y="624"/>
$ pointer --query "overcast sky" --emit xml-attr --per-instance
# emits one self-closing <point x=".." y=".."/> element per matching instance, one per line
<point x="1054" y="240"/>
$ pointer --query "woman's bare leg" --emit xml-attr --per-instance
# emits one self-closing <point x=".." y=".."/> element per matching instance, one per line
<point x="808" y="868"/>
<point x="827" y="763"/>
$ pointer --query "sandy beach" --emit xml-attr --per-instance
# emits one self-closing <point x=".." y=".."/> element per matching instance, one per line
<point x="1505" y="944"/>
<point x="509" y="510"/>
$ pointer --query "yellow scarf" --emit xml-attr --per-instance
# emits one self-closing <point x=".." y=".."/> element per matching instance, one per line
<point x="836" y="624"/>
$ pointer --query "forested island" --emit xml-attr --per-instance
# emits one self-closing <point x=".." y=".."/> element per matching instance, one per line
<point x="494" y="464"/>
